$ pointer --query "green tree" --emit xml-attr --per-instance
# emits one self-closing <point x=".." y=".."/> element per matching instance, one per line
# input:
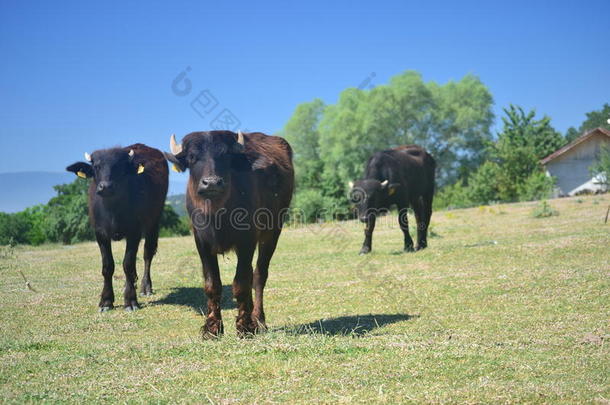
<point x="301" y="131"/>
<point x="25" y="227"/>
<point x="453" y="196"/>
<point x="310" y="205"/>
<point x="460" y="129"/>
<point x="172" y="224"/>
<point x="452" y="121"/>
<point x="537" y="186"/>
<point x="344" y="145"/>
<point x="36" y="218"/>
<point x="13" y="229"/>
<point x="524" y="140"/>
<point x="332" y="143"/>
<point x="595" y="119"/>
<point x="483" y="184"/>
<point x="66" y="215"/>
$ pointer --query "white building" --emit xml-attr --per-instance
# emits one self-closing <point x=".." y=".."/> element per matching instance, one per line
<point x="571" y="164"/>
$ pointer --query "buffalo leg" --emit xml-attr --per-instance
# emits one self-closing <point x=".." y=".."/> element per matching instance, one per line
<point x="368" y="235"/>
<point x="129" y="267"/>
<point x="150" y="248"/>
<point x="213" y="290"/>
<point x="242" y="290"/>
<point x="107" y="296"/>
<point x="422" y="217"/>
<point x="403" y="222"/>
<point x="423" y="221"/>
<point x="266" y="248"/>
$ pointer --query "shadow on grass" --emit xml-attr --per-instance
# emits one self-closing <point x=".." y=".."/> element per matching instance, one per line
<point x="356" y="325"/>
<point x="195" y="298"/>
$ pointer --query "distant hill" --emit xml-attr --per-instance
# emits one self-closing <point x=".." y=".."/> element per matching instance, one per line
<point x="178" y="203"/>
<point x="25" y="189"/>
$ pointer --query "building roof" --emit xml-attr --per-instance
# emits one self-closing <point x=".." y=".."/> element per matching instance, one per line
<point x="575" y="142"/>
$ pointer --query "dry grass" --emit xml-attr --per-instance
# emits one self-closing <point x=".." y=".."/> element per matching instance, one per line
<point x="502" y="307"/>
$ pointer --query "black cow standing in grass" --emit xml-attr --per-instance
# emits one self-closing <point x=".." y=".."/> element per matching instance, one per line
<point x="239" y="189"/>
<point x="402" y="176"/>
<point x="126" y="198"/>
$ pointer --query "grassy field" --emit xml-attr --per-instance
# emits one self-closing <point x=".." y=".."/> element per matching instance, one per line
<point x="502" y="307"/>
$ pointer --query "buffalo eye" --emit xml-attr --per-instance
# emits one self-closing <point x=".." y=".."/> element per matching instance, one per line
<point x="191" y="159"/>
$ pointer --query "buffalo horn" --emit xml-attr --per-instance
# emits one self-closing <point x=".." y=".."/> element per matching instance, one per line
<point x="174" y="147"/>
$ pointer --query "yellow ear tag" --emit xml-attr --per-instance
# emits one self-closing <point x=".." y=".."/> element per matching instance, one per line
<point x="81" y="174"/>
<point x="175" y="168"/>
<point x="391" y="191"/>
<point x="140" y="169"/>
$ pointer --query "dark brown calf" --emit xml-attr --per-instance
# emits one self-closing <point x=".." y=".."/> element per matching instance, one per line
<point x="126" y="198"/>
<point x="239" y="190"/>
<point x="403" y="176"/>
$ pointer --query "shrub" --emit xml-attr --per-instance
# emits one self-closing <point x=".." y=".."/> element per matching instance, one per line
<point x="453" y="196"/>
<point x="483" y="184"/>
<point x="537" y="186"/>
<point x="171" y="224"/>
<point x="309" y="205"/>
<point x="65" y="219"/>
<point x="13" y="229"/>
<point x="66" y="215"/>
<point x="544" y="210"/>
<point x="35" y="217"/>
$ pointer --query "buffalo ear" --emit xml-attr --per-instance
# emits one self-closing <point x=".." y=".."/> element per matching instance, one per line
<point x="392" y="187"/>
<point x="81" y="169"/>
<point x="178" y="161"/>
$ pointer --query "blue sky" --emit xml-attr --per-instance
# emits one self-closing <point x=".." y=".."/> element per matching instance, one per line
<point x="76" y="76"/>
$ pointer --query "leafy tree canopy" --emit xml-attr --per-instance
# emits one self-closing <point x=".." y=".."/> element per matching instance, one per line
<point x="452" y="121"/>
<point x="595" y="119"/>
<point x="302" y="133"/>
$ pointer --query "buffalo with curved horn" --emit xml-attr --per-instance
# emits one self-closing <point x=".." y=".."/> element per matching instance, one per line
<point x="234" y="179"/>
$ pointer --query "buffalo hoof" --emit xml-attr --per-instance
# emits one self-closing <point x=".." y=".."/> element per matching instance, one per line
<point x="364" y="251"/>
<point x="212" y="329"/>
<point x="245" y="329"/>
<point x="246" y="334"/>
<point x="408" y="249"/>
<point x="146" y="289"/>
<point x="132" y="307"/>
<point x="421" y="248"/>
<point x="106" y="308"/>
<point x="259" y="324"/>
<point x="261" y="328"/>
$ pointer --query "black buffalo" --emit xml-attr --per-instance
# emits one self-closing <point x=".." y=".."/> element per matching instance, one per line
<point x="239" y="189"/>
<point x="402" y="176"/>
<point x="126" y="198"/>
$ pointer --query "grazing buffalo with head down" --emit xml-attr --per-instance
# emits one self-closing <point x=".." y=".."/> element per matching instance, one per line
<point x="403" y="176"/>
<point x="126" y="198"/>
<point x="239" y="189"/>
